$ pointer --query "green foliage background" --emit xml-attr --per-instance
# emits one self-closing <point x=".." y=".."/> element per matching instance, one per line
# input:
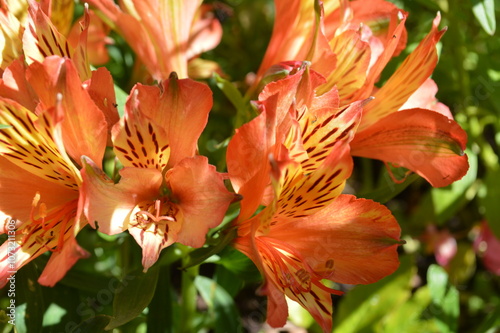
<point x="110" y="291"/>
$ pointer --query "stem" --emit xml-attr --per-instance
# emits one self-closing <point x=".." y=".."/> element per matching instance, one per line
<point x="367" y="180"/>
<point x="188" y="294"/>
<point x="161" y="313"/>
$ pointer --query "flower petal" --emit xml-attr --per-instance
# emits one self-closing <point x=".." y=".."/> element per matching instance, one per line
<point x="41" y="38"/>
<point x="29" y="143"/>
<point x="293" y="33"/>
<point x="423" y="141"/>
<point x="154" y="238"/>
<point x="10" y="30"/>
<point x="101" y="89"/>
<point x="181" y="108"/>
<point x="111" y="204"/>
<point x="97" y="38"/>
<point x="353" y="58"/>
<point x="160" y="32"/>
<point x="425" y="98"/>
<point x="248" y="165"/>
<point x="350" y="241"/>
<point x="320" y="132"/>
<point x="14" y="85"/>
<point x="50" y="232"/>
<point x="18" y="187"/>
<point x="206" y="32"/>
<point x="57" y="83"/>
<point x="309" y="193"/>
<point x="61" y="262"/>
<point x="277" y="308"/>
<point x="138" y="140"/>
<point x="416" y="68"/>
<point x="200" y="194"/>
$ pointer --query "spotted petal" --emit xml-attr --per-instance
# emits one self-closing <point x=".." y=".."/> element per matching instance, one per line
<point x="139" y="141"/>
<point x="29" y="143"/>
<point x="353" y="58"/>
<point x="46" y="213"/>
<point x="344" y="241"/>
<point x="306" y="194"/>
<point x="179" y="107"/>
<point x="416" y="68"/>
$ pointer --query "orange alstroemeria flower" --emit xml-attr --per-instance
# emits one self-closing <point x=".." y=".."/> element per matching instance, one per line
<point x="350" y="45"/>
<point x="50" y="32"/>
<point x="40" y="185"/>
<point x="328" y="34"/>
<point x="308" y="230"/>
<point x="164" y="34"/>
<point x="397" y="128"/>
<point x="166" y="193"/>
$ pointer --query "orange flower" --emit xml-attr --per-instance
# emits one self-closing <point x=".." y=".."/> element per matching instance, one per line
<point x="428" y="142"/>
<point x="166" y="193"/>
<point x="164" y="34"/>
<point x="39" y="183"/>
<point x="336" y="37"/>
<point x="350" y="47"/>
<point x="42" y="39"/>
<point x="308" y="230"/>
<point x="49" y="33"/>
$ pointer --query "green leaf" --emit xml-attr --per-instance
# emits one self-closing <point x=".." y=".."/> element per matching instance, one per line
<point x="132" y="296"/>
<point x="437" y="282"/>
<point x="489" y="200"/>
<point x="366" y="305"/>
<point x="484" y="11"/>
<point x="492" y="322"/>
<point x="407" y="317"/>
<point x="83" y="280"/>
<point x="240" y="265"/>
<point x="220" y="304"/>
<point x="243" y="108"/>
<point x="164" y="309"/>
<point x="445" y="307"/>
<point x="29" y="291"/>
<point x="448" y="200"/>
<point x="4" y="126"/>
<point x="228" y="280"/>
<point x="95" y="324"/>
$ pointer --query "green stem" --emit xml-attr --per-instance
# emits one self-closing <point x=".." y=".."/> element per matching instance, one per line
<point x="161" y="312"/>
<point x="367" y="180"/>
<point x="188" y="294"/>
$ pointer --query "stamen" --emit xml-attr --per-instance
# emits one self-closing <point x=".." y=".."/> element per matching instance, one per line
<point x="42" y="211"/>
<point x="156" y="214"/>
<point x="47" y="225"/>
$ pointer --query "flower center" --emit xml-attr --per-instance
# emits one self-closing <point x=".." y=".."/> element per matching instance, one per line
<point x="154" y="216"/>
<point x="46" y="230"/>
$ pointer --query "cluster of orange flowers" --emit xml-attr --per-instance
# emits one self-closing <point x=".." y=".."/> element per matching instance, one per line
<point x="317" y="107"/>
